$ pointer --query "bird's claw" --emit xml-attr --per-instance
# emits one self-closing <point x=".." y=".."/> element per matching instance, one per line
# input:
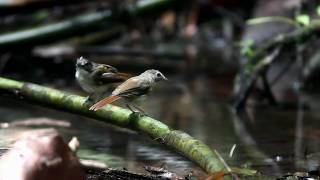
<point x="88" y="102"/>
<point x="138" y="113"/>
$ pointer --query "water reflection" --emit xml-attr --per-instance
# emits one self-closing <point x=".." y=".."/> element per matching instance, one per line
<point x="265" y="140"/>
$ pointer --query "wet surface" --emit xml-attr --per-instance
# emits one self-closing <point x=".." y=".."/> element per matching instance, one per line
<point x="266" y="138"/>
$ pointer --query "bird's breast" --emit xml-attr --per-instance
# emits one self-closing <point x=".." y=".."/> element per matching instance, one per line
<point x="88" y="84"/>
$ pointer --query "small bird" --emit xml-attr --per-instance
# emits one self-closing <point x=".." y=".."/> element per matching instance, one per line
<point x="132" y="89"/>
<point x="96" y="79"/>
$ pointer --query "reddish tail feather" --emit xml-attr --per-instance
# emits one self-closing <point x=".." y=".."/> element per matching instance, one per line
<point x="104" y="102"/>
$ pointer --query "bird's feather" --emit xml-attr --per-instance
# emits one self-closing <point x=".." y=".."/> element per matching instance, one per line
<point x="139" y="91"/>
<point x="104" y="102"/>
<point x="129" y="84"/>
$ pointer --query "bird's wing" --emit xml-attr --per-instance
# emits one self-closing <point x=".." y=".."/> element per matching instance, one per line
<point x="131" y="87"/>
<point x="104" y="102"/>
<point x="109" y="77"/>
<point x="108" y="74"/>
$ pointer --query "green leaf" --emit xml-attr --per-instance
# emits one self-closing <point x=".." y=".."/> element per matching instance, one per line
<point x="246" y="49"/>
<point x="303" y="19"/>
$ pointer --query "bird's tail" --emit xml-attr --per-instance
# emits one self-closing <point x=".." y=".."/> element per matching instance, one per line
<point x="104" y="102"/>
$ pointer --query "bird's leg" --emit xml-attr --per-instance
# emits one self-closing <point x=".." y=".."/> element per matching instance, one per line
<point x="139" y="109"/>
<point x="140" y="112"/>
<point x="129" y="107"/>
<point x="89" y="100"/>
<point x="95" y="97"/>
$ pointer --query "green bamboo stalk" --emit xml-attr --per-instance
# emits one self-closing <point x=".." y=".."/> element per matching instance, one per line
<point x="183" y="143"/>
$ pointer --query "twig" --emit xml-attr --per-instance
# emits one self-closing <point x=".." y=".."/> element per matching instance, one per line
<point x="249" y="79"/>
<point x="267" y="89"/>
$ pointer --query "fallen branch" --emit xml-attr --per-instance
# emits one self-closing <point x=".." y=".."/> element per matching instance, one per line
<point x="63" y="50"/>
<point x="181" y="142"/>
<point x="75" y="26"/>
<point x="55" y="31"/>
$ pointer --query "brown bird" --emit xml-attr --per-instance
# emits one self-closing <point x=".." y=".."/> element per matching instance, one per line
<point x="132" y="89"/>
<point x="96" y="79"/>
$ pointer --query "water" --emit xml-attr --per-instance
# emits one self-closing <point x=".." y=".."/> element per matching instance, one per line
<point x="266" y="139"/>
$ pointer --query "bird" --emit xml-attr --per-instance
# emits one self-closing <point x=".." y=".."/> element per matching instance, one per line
<point x="96" y="79"/>
<point x="132" y="90"/>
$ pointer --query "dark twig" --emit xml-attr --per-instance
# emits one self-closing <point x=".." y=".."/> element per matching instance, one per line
<point x="267" y="89"/>
<point x="248" y="80"/>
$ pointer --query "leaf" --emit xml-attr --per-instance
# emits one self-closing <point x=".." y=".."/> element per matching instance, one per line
<point x="318" y="10"/>
<point x="246" y="49"/>
<point x="303" y="19"/>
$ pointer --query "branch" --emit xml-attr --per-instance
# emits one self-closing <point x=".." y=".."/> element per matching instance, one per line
<point x="181" y="142"/>
<point x="55" y="31"/>
<point x="299" y="36"/>
<point x="63" y="50"/>
<point x="248" y="79"/>
<point x="77" y="25"/>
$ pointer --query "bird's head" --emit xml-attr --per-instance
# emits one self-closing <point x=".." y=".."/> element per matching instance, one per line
<point x="84" y="64"/>
<point x="155" y="75"/>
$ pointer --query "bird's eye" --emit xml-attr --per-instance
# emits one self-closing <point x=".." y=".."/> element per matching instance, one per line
<point x="158" y="75"/>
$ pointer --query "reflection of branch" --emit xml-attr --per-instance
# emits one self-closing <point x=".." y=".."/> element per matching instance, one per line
<point x="299" y="36"/>
<point x="41" y="121"/>
<point x="180" y="141"/>
<point x="110" y="173"/>
<point x="250" y="143"/>
<point x="298" y="151"/>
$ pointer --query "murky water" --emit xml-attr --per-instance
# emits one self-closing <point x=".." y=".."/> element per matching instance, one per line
<point x="267" y="139"/>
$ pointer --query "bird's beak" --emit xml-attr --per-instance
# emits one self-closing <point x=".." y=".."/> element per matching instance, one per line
<point x="81" y="61"/>
<point x="112" y="69"/>
<point x="164" y="78"/>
